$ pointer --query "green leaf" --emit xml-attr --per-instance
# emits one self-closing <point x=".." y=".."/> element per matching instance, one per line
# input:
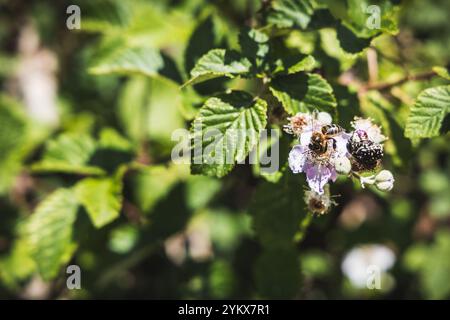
<point x="226" y="129"/>
<point x="277" y="209"/>
<point x="101" y="197"/>
<point x="200" y="190"/>
<point x="302" y="92"/>
<point x="442" y="72"/>
<point x="111" y="139"/>
<point x="205" y="37"/>
<point x="254" y="45"/>
<point x="49" y="232"/>
<point x="150" y="108"/>
<point x="428" y="112"/>
<point x="350" y="42"/>
<point x="219" y="63"/>
<point x="293" y="64"/>
<point x="105" y="16"/>
<point x="291" y="13"/>
<point x="69" y="153"/>
<point x="362" y="17"/>
<point x="140" y="60"/>
<point x="434" y="274"/>
<point x="13" y="134"/>
<point x="132" y="107"/>
<point x="160" y="180"/>
<point x="18" y="265"/>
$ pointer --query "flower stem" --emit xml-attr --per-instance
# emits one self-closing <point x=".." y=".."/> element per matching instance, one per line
<point x="303" y="227"/>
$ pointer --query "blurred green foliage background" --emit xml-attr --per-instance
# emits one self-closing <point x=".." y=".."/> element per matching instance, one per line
<point x="177" y="235"/>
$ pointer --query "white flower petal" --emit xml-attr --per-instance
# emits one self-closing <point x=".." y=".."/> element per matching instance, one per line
<point x="297" y="158"/>
<point x="324" y="118"/>
<point x="317" y="176"/>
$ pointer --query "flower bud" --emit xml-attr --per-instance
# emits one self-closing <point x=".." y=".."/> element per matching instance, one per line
<point x="342" y="165"/>
<point x="319" y="204"/>
<point x="384" y="181"/>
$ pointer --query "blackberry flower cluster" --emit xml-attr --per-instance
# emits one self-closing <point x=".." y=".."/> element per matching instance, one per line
<point x="325" y="150"/>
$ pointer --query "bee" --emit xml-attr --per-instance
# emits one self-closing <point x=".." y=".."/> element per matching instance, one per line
<point x="332" y="130"/>
<point x="320" y="140"/>
<point x="366" y="152"/>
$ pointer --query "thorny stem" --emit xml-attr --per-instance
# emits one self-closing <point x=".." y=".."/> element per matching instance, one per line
<point x="303" y="227"/>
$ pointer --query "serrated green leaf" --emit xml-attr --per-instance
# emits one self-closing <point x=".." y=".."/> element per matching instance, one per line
<point x="49" y="232"/>
<point x="367" y="18"/>
<point x="291" y="13"/>
<point x="428" y="112"/>
<point x="293" y="64"/>
<point x="302" y="92"/>
<point x="205" y="37"/>
<point x="442" y="72"/>
<point x="219" y="63"/>
<point x="226" y="129"/>
<point x="254" y="45"/>
<point x="277" y="209"/>
<point x="350" y="42"/>
<point x="141" y="60"/>
<point x="101" y="197"/>
<point x="69" y="153"/>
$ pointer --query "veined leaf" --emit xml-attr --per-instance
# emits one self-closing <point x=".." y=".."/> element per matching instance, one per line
<point x="206" y="36"/>
<point x="141" y="60"/>
<point x="68" y="153"/>
<point x="219" y="63"/>
<point x="302" y="92"/>
<point x="102" y="198"/>
<point x="293" y="64"/>
<point x="227" y="128"/>
<point x="428" y="112"/>
<point x="254" y="45"/>
<point x="291" y="13"/>
<point x="442" y="72"/>
<point x="349" y="41"/>
<point x="49" y="232"/>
